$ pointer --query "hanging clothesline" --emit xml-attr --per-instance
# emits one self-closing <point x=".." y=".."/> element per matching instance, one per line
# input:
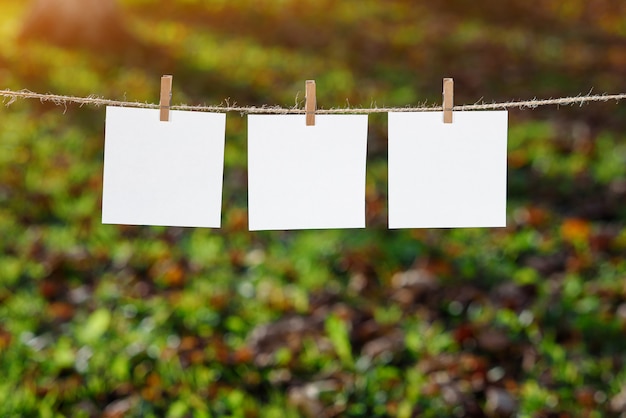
<point x="61" y="100"/>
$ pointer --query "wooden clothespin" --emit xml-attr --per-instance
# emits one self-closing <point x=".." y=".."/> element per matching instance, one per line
<point x="448" y="99"/>
<point x="166" y="97"/>
<point x="310" y="103"/>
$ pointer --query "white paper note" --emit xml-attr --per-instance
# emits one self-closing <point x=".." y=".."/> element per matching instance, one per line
<point x="306" y="177"/>
<point x="447" y="175"/>
<point x="163" y="173"/>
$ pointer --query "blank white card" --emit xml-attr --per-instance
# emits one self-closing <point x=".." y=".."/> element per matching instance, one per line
<point x="163" y="173"/>
<point x="447" y="175"/>
<point x="306" y="177"/>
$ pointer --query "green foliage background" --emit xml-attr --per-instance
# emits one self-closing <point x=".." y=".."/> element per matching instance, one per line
<point x="104" y="320"/>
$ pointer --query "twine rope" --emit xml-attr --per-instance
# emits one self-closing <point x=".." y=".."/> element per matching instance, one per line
<point x="61" y="100"/>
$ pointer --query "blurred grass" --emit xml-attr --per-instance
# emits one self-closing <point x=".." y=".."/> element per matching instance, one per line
<point x="148" y="321"/>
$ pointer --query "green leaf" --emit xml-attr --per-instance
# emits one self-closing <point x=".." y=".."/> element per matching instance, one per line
<point x="339" y="335"/>
<point x="177" y="410"/>
<point x="95" y="326"/>
<point x="64" y="355"/>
